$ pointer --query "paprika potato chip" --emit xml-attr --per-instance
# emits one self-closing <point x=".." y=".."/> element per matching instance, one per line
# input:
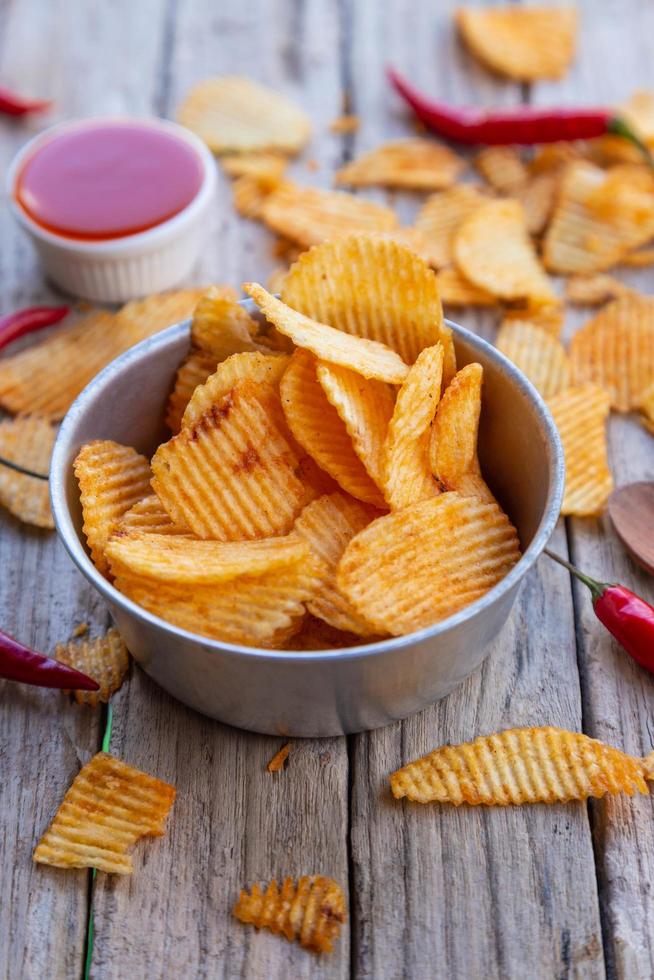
<point x="147" y="516"/>
<point x="647" y="409"/>
<point x="26" y="440"/>
<point x="456" y="290"/>
<point x="440" y="217"/>
<point x="502" y="167"/>
<point x="249" y="193"/>
<point x="233" y="113"/>
<point x="638" y="111"/>
<point x="329" y="524"/>
<point x="108" y="807"/>
<point x="111" y="478"/>
<point x="367" y="357"/>
<point x="521" y="765"/>
<point x="541" y="357"/>
<point x="105" y="659"/>
<point x="616" y="350"/>
<point x="538" y="198"/>
<point x="221" y="326"/>
<point x="406" y="571"/>
<point x="265" y="165"/>
<point x="194" y="370"/>
<point x="406" y="473"/>
<point x="310" y="912"/>
<point x="595" y="289"/>
<point x="413" y="164"/>
<point x="250" y="487"/>
<point x="493" y="250"/>
<point x="548" y="318"/>
<point x="580" y="415"/>
<point x="524" y="43"/>
<point x="278" y="761"/>
<point x="249" y="365"/>
<point x="141" y="318"/>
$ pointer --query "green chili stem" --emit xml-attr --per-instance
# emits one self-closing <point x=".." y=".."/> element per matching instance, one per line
<point x="106" y="741"/>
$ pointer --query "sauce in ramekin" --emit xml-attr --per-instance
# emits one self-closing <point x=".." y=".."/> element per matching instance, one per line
<point x="107" y="180"/>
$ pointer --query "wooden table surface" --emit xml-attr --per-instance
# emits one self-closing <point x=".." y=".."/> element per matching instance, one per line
<point x="558" y="891"/>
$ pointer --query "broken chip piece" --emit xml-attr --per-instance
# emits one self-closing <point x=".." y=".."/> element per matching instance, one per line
<point x="310" y="911"/>
<point x="105" y="659"/>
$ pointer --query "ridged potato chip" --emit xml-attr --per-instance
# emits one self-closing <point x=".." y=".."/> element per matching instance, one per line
<point x="105" y="659"/>
<point x="541" y="357"/>
<point x="616" y="350"/>
<point x="232" y="476"/>
<point x="502" y="167"/>
<point x="521" y="765"/>
<point x="27" y="441"/>
<point x="524" y="43"/>
<point x="108" y="807"/>
<point x="406" y="474"/>
<point x="638" y="111"/>
<point x="311" y="911"/>
<point x="365" y="407"/>
<point x="310" y="215"/>
<point x="233" y="113"/>
<point x="318" y="428"/>
<point x="147" y="516"/>
<point x="413" y="239"/>
<point x="250" y="365"/>
<point x="221" y="326"/>
<point x="548" y="318"/>
<point x="329" y="524"/>
<point x="600" y="217"/>
<point x="367" y="357"/>
<point x="374" y="289"/>
<point x="112" y="478"/>
<point x="440" y="217"/>
<point x="492" y="249"/>
<point x="141" y="318"/>
<point x="268" y="166"/>
<point x="538" y="198"/>
<point x="407" y="570"/>
<point x="580" y="414"/>
<point x="194" y="370"/>
<point x="595" y="289"/>
<point x="249" y="193"/>
<point x="413" y="164"/>
<point x="453" y="443"/>
<point x="456" y="290"/>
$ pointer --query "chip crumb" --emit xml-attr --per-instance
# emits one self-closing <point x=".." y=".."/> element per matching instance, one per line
<point x="279" y="759"/>
<point x="80" y="630"/>
<point x="345" y="124"/>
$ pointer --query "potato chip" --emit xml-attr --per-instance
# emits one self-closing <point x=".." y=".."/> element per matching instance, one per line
<point x="554" y="157"/>
<point x="521" y="765"/>
<point x="367" y="357"/>
<point x="108" y="807"/>
<point x="278" y="761"/>
<point x="413" y="164"/>
<point x="525" y="43"/>
<point x="27" y="441"/>
<point x="141" y="318"/>
<point x="232" y="113"/>
<point x="407" y="570"/>
<point x="221" y="326"/>
<point x="315" y="634"/>
<point x="595" y="289"/>
<point x="548" y="318"/>
<point x="147" y="516"/>
<point x="249" y="193"/>
<point x="492" y="248"/>
<point x="276" y="279"/>
<point x="232" y="476"/>
<point x="541" y="357"/>
<point x="310" y="215"/>
<point x="440" y="217"/>
<point x="502" y="167"/>
<point x="616" y="350"/>
<point x="311" y="911"/>
<point x="250" y="365"/>
<point x="580" y="415"/>
<point x="319" y="429"/>
<point x="329" y="524"/>
<point x="365" y="406"/>
<point x="373" y="289"/>
<point x="254" y="610"/>
<point x="105" y="659"/>
<point x="185" y="561"/>
<point x="599" y="218"/>
<point x="638" y="112"/>
<point x="413" y="239"/>
<point x="456" y="290"/>
<point x="266" y="166"/>
<point x="453" y="444"/>
<point x="647" y="409"/>
<point x="538" y="198"/>
<point x="406" y="473"/>
<point x="194" y="370"/>
<point x="345" y="124"/>
<point x="112" y="478"/>
<point x="640" y="258"/>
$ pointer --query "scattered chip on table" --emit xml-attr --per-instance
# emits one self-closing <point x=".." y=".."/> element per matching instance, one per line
<point x="235" y="114"/>
<point x="502" y="167"/>
<point x="249" y="193"/>
<point x="538" y="197"/>
<point x="539" y="355"/>
<point x="105" y="659"/>
<point x="548" y="318"/>
<point x="27" y="440"/>
<point x="440" y="216"/>
<point x="412" y="164"/>
<point x="456" y="290"/>
<point x="269" y="166"/>
<point x="345" y="124"/>
<point x="580" y="414"/>
<point x="310" y="911"/>
<point x="108" y="807"/>
<point x="639" y="259"/>
<point x="520" y="765"/>
<point x="278" y="761"/>
<point x="141" y="318"/>
<point x="638" y="111"/>
<point x="595" y="289"/>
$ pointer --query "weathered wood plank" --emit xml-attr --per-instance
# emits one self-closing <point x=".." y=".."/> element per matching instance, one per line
<point x="614" y="60"/>
<point x="441" y="892"/>
<point x="233" y="822"/>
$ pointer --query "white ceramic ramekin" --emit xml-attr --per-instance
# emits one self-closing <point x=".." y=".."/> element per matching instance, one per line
<point x="120" y="269"/>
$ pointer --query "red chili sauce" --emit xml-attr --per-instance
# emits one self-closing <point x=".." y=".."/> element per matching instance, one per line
<point x="107" y="180"/>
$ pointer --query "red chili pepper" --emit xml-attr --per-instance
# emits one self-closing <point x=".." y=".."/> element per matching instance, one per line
<point x="15" y="325"/>
<point x="628" y="617"/>
<point x="525" y="125"/>
<point x="12" y="104"/>
<point x="19" y="663"/>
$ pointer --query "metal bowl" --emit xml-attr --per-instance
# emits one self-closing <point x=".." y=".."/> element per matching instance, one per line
<point x="329" y="692"/>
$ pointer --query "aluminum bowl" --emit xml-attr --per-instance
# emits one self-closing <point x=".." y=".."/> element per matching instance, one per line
<point x="330" y="692"/>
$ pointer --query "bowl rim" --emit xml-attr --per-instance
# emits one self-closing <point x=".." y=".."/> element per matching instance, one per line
<point x="78" y="553"/>
<point x="122" y="243"/>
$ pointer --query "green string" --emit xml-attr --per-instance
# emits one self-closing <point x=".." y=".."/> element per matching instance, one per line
<point x="106" y="741"/>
